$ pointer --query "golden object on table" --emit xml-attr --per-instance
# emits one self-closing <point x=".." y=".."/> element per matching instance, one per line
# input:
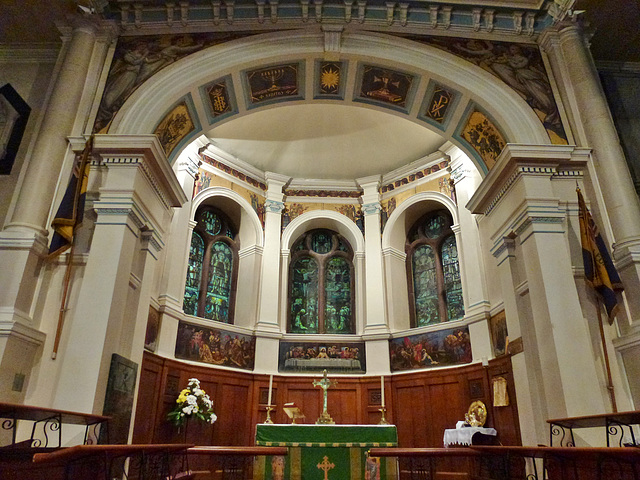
<point x="292" y="411"/>
<point x="477" y="414"/>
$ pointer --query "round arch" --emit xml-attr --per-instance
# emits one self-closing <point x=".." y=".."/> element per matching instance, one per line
<point x="144" y="109"/>
<point x="246" y="208"/>
<point x="393" y="235"/>
<point x="323" y="219"/>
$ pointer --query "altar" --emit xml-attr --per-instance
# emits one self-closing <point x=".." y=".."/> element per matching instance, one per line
<point x="326" y="452"/>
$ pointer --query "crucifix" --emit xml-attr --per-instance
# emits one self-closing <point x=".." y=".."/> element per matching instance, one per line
<point x="325" y="466"/>
<point x="325" y="384"/>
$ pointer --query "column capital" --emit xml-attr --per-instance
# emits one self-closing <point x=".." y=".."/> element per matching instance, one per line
<point x="371" y="208"/>
<point x="516" y="161"/>
<point x="273" y="206"/>
<point x="144" y="150"/>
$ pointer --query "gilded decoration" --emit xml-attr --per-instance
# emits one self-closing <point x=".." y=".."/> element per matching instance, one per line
<point x="520" y="66"/>
<point x="386" y="86"/>
<point x="439" y="104"/>
<point x="414" y="176"/>
<point x="258" y="205"/>
<point x="272" y="83"/>
<point x="136" y="59"/>
<point x="388" y="208"/>
<point x="354" y="213"/>
<point x="175" y="126"/>
<point x="291" y="212"/>
<point x="484" y="137"/>
<point x="219" y="98"/>
<point x="235" y="173"/>
<point x="329" y="78"/>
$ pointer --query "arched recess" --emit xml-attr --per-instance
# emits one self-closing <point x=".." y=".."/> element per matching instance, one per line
<point x="145" y="108"/>
<point x="393" y="249"/>
<point x="334" y="221"/>
<point x="251" y="241"/>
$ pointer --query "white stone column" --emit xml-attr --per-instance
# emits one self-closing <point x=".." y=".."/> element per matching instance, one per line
<point x="176" y="251"/>
<point x="268" y="318"/>
<point x="525" y="199"/>
<point x="47" y="157"/>
<point x="137" y="192"/>
<point x="375" y="319"/>
<point x="23" y="242"/>
<point x="592" y="121"/>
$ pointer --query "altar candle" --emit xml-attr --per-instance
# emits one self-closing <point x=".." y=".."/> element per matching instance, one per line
<point x="270" y="389"/>
<point x="382" y="390"/>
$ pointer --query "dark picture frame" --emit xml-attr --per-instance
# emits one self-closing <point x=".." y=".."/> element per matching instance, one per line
<point x="14" y="115"/>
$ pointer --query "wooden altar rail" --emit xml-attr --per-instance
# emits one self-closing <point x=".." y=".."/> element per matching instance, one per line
<point x="50" y="420"/>
<point x="148" y="462"/>
<point x="522" y="463"/>
<point x="233" y="463"/>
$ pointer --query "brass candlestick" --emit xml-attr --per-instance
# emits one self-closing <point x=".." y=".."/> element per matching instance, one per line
<point x="383" y="420"/>
<point x="269" y="409"/>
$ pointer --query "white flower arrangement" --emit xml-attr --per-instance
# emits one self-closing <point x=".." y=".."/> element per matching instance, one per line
<point x="192" y="402"/>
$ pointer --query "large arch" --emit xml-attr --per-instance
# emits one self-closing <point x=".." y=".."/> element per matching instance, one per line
<point x="147" y="105"/>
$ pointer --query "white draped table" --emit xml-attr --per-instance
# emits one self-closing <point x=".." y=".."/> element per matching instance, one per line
<point x="463" y="435"/>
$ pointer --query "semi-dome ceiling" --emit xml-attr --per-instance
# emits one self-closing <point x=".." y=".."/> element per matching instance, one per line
<point x="325" y="141"/>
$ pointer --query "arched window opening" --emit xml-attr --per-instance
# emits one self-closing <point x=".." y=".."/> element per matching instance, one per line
<point x="433" y="271"/>
<point x="213" y="263"/>
<point x="321" y="284"/>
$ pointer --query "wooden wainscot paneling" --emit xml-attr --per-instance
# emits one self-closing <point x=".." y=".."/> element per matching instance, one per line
<point x="422" y="403"/>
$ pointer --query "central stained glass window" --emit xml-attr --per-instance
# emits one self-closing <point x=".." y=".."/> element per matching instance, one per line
<point x="321" y="284"/>
<point x="433" y="271"/>
<point x="211" y="274"/>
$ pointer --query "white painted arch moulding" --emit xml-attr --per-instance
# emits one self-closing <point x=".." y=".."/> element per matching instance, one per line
<point x="237" y="198"/>
<point x="142" y="111"/>
<point x="323" y="219"/>
<point x="407" y="204"/>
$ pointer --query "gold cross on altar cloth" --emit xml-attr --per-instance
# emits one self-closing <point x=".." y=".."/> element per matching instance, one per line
<point x="325" y="466"/>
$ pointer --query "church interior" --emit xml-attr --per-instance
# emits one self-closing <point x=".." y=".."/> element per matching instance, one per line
<point x="285" y="233"/>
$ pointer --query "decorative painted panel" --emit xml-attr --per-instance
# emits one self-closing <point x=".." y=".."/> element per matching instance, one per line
<point x="274" y="83"/>
<point x="441" y="348"/>
<point x="385" y="86"/>
<point x="215" y="346"/>
<point x="175" y="127"/>
<point x="484" y="137"/>
<point x="317" y="356"/>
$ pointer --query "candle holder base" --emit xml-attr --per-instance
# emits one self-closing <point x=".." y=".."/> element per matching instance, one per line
<point x="383" y="420"/>
<point x="269" y="409"/>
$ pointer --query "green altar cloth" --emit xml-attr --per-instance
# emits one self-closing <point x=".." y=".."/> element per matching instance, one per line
<point x="343" y="446"/>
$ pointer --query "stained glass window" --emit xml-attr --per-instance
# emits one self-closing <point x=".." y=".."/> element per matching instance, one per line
<point x="452" y="282"/>
<point x="321" y="284"/>
<point x="433" y="271"/>
<point x="211" y="276"/>
<point x="194" y="273"/>
<point x="304" y="296"/>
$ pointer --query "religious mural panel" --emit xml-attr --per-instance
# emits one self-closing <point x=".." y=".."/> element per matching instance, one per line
<point x="499" y="333"/>
<point x="431" y="349"/>
<point x="385" y="86"/>
<point x="174" y="127"/>
<point x="153" y="328"/>
<point x="330" y="79"/>
<point x="138" y="58"/>
<point x="518" y="65"/>
<point x="484" y="137"/>
<point x="274" y="83"/>
<point x="439" y="104"/>
<point x="219" y="98"/>
<point x="318" y="356"/>
<point x="215" y="346"/>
